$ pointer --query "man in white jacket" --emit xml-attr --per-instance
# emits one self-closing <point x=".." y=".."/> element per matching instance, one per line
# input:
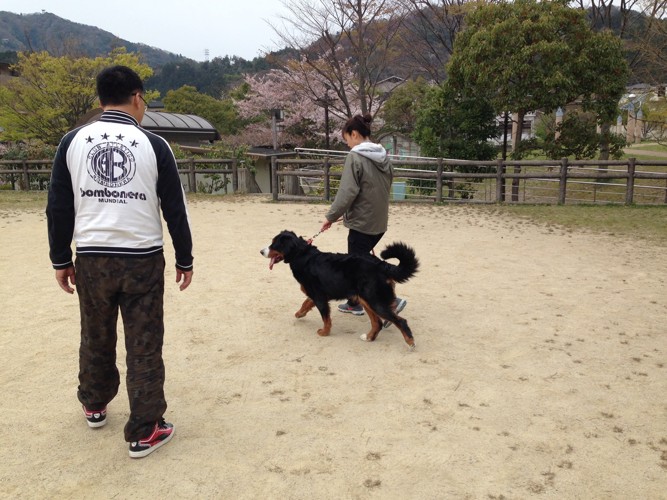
<point x="109" y="182"/>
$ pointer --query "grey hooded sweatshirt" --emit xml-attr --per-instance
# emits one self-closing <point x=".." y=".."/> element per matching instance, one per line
<point x="363" y="195"/>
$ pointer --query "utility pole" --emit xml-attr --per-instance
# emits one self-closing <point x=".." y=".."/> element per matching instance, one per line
<point x="276" y="116"/>
<point x="325" y="102"/>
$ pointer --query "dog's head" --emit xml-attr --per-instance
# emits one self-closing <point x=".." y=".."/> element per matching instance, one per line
<point x="284" y="247"/>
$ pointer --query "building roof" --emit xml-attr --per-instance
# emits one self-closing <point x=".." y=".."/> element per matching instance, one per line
<point x="174" y="127"/>
<point x="264" y="152"/>
<point x="176" y="124"/>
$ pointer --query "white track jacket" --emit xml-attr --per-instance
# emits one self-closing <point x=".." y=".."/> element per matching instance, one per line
<point x="110" y="179"/>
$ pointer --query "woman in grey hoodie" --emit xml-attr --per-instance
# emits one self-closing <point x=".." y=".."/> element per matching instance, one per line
<point x="363" y="196"/>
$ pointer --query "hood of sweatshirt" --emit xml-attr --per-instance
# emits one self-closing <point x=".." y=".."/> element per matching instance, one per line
<point x="374" y="152"/>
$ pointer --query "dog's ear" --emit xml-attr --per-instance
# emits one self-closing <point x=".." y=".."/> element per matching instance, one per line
<point x="290" y="245"/>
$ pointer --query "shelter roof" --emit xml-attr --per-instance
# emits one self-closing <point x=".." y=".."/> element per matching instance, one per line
<point x="174" y="127"/>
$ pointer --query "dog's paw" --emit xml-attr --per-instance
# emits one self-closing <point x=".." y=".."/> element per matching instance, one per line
<point x="323" y="333"/>
<point x="412" y="347"/>
<point x="299" y="314"/>
<point x="364" y="337"/>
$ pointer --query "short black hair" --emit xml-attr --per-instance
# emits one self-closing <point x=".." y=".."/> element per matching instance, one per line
<point x="361" y="124"/>
<point x="116" y="84"/>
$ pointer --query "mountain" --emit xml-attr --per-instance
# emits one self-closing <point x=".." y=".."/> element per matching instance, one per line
<point x="48" y="32"/>
<point x="57" y="36"/>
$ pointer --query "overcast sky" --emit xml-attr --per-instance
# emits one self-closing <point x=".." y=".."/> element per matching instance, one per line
<point x="186" y="27"/>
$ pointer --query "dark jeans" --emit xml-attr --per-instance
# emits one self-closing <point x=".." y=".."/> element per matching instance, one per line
<point x="360" y="244"/>
<point x="135" y="287"/>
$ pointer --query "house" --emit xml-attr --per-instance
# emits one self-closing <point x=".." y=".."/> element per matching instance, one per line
<point x="638" y="99"/>
<point x="400" y="145"/>
<point x="6" y="72"/>
<point x="260" y="180"/>
<point x="388" y="85"/>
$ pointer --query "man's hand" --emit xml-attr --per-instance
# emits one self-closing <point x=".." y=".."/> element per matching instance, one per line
<point x="186" y="276"/>
<point x="64" y="277"/>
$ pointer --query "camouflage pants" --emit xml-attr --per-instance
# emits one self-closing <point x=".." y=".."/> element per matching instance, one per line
<point x="135" y="287"/>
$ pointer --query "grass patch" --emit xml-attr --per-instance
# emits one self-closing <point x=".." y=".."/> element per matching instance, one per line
<point x="647" y="155"/>
<point x="643" y="222"/>
<point x="22" y="200"/>
<point x="650" y="146"/>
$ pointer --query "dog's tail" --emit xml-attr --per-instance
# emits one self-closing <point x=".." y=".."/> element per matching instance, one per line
<point x="408" y="262"/>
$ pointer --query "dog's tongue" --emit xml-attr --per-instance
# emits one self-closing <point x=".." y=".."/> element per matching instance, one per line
<point x="273" y="261"/>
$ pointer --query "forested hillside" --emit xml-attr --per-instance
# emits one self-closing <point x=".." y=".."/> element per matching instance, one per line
<point x="57" y="36"/>
<point x="48" y="32"/>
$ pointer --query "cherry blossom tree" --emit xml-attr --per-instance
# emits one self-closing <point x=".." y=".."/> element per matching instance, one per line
<point x="303" y="96"/>
<point x="349" y="44"/>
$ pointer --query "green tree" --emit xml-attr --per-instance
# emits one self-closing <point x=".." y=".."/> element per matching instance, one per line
<point x="528" y="55"/>
<point x="222" y="114"/>
<point x="400" y="110"/>
<point x="655" y="119"/>
<point x="451" y="126"/>
<point x="53" y="93"/>
<point x="215" y="78"/>
<point x="578" y="136"/>
<point x="607" y="79"/>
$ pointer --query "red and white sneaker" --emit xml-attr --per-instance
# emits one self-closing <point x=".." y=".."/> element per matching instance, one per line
<point x="95" y="418"/>
<point x="162" y="433"/>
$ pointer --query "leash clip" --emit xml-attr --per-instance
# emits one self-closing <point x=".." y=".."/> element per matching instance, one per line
<point x="310" y="241"/>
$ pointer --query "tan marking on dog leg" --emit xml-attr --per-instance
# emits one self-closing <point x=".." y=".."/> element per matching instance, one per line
<point x="376" y="322"/>
<point x="307" y="305"/>
<point x="324" y="331"/>
<point x="408" y="339"/>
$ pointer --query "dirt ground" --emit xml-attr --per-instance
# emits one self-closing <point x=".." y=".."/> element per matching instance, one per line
<point x="540" y="369"/>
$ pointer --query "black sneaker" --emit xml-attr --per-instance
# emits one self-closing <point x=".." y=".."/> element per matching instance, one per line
<point x="162" y="433"/>
<point x="399" y="305"/>
<point x="357" y="310"/>
<point x="95" y="418"/>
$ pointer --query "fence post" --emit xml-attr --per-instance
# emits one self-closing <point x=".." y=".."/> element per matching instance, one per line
<point x="500" y="180"/>
<point x="450" y="184"/>
<point x="192" y="178"/>
<point x="274" y="178"/>
<point x="630" y="186"/>
<point x="438" y="182"/>
<point x="327" y="181"/>
<point x="26" y="176"/>
<point x="235" y="176"/>
<point x="562" y="185"/>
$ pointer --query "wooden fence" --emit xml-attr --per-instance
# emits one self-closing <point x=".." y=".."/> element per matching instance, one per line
<point x="630" y="181"/>
<point x="499" y="181"/>
<point x="34" y="174"/>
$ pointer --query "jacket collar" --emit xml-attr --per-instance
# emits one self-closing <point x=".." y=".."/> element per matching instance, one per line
<point x="115" y="116"/>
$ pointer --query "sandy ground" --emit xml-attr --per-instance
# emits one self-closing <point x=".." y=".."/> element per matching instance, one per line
<point x="540" y="369"/>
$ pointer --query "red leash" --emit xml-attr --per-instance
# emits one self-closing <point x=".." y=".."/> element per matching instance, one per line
<point x="310" y="241"/>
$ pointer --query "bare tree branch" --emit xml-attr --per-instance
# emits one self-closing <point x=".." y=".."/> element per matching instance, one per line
<point x="335" y="35"/>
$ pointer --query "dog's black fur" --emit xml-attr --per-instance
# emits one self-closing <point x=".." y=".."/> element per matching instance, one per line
<point x="328" y="276"/>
